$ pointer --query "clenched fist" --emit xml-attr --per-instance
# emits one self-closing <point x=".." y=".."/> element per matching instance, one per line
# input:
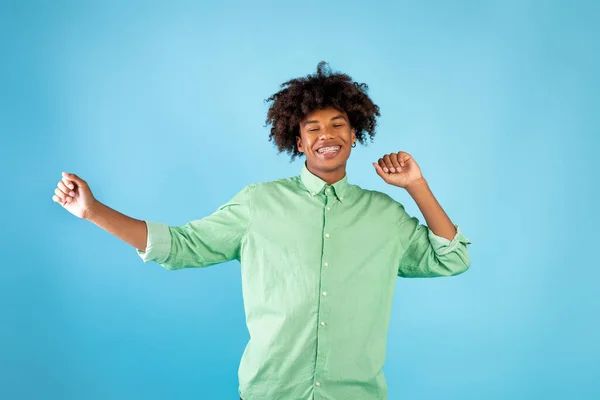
<point x="74" y="194"/>
<point x="399" y="169"/>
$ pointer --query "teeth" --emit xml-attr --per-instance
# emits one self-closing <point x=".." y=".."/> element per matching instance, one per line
<point x="329" y="149"/>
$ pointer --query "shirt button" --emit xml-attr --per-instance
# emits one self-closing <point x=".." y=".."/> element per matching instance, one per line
<point x="326" y="264"/>
<point x="317" y="383"/>
<point x="341" y="197"/>
<point x="328" y="190"/>
<point x="324" y="293"/>
<point x="327" y="235"/>
<point x="328" y="208"/>
<point x="313" y="193"/>
<point x="322" y="323"/>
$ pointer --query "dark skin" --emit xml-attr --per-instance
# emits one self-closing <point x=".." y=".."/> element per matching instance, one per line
<point x="326" y="127"/>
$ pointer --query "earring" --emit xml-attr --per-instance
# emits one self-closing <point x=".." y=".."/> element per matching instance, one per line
<point x="354" y="145"/>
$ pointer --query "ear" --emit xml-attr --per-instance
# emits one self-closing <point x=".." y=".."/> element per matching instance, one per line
<point x="353" y="135"/>
<point x="299" y="144"/>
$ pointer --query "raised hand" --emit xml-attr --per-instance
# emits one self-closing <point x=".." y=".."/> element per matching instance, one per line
<point x="74" y="194"/>
<point x="398" y="169"/>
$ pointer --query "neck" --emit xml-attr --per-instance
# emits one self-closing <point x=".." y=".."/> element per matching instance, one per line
<point x="330" y="177"/>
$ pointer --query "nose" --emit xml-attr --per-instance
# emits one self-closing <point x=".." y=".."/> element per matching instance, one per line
<point x="326" y="133"/>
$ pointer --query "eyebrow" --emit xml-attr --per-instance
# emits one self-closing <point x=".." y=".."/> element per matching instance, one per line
<point x="339" y="116"/>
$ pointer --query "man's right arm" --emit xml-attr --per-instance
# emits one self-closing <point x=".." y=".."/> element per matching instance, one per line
<point x="213" y="239"/>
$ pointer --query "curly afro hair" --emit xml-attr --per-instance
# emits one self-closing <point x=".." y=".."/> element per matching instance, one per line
<point x="301" y="96"/>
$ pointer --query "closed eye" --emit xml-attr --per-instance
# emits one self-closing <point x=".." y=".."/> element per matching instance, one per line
<point x="316" y="129"/>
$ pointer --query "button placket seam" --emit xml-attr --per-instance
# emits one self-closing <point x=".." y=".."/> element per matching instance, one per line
<point x="322" y="314"/>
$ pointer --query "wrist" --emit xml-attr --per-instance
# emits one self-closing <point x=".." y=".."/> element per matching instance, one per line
<point x="88" y="213"/>
<point x="416" y="184"/>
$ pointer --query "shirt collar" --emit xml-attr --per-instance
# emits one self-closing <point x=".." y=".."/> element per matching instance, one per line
<point x="314" y="184"/>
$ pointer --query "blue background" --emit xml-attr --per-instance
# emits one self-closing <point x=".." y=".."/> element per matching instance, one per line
<point x="160" y="108"/>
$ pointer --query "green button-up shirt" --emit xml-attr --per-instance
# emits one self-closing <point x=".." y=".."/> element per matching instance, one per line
<point x="318" y="266"/>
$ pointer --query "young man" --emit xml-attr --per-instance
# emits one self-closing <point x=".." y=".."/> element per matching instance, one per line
<point x="319" y="255"/>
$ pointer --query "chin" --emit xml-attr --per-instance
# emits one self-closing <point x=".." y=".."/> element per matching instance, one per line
<point x="329" y="165"/>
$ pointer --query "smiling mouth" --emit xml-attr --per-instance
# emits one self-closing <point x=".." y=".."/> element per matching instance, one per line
<point x="329" y="150"/>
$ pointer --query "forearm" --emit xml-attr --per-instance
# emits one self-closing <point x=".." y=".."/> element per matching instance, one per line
<point x="130" y="230"/>
<point x="434" y="214"/>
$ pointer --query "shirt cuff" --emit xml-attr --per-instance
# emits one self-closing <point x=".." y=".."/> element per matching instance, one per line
<point x="158" y="244"/>
<point x="442" y="246"/>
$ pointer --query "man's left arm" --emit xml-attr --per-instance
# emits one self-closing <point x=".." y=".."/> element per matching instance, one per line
<point x="438" y="249"/>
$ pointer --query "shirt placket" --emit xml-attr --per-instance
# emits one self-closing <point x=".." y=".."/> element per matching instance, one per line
<point x="323" y="336"/>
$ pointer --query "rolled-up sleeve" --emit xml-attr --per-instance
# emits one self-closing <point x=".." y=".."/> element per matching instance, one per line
<point x="425" y="254"/>
<point x="213" y="239"/>
<point x="158" y="242"/>
<point x="442" y="246"/>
